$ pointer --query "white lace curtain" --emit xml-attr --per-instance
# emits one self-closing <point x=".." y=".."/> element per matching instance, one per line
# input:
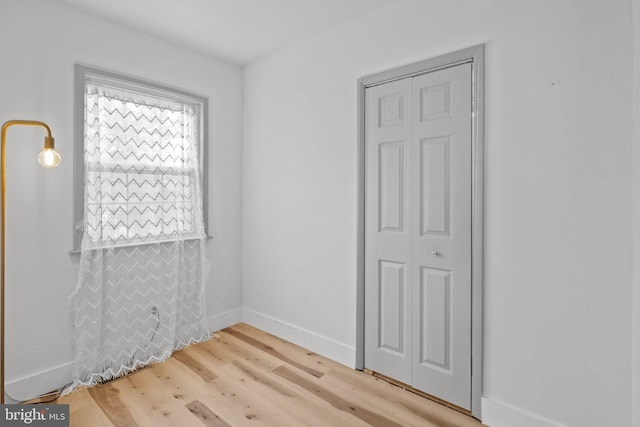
<point x="140" y="293"/>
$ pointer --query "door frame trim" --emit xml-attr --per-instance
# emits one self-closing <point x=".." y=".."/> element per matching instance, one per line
<point x="475" y="56"/>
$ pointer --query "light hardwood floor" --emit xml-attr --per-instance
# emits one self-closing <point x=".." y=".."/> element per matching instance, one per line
<point x="246" y="377"/>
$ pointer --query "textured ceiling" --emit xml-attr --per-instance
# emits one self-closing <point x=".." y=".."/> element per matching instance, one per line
<point x="238" y="31"/>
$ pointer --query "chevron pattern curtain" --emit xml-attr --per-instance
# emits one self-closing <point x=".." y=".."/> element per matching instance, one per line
<point x="140" y="293"/>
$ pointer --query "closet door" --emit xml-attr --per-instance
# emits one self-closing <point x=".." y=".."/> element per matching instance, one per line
<point x="418" y="232"/>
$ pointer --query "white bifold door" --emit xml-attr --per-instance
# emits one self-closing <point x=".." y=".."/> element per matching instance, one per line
<point x="418" y="232"/>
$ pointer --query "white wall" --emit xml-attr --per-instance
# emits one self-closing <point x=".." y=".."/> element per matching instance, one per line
<point x="635" y="378"/>
<point x="40" y="41"/>
<point x="558" y="192"/>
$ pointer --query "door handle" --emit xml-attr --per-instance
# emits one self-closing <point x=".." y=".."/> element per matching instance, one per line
<point x="434" y="253"/>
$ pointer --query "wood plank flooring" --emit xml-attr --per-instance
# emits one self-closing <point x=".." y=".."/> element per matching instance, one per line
<point x="246" y="377"/>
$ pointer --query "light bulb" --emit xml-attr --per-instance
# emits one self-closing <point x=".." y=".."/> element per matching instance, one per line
<point x="49" y="158"/>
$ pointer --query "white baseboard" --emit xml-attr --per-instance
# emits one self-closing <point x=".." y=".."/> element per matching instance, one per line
<point x="225" y="319"/>
<point x="317" y="343"/>
<point x="500" y="414"/>
<point x="35" y="385"/>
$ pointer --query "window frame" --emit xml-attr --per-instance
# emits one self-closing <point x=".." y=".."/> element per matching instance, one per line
<point x="84" y="74"/>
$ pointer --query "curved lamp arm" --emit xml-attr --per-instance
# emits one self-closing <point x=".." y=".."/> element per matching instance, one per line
<point x="47" y="158"/>
<point x="10" y="123"/>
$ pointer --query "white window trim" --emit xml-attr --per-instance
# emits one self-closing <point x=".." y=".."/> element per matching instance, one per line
<point x="82" y="74"/>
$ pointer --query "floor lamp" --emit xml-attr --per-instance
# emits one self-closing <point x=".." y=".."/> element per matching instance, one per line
<point x="48" y="158"/>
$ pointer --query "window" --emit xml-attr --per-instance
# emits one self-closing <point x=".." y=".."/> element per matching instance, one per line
<point x="140" y="169"/>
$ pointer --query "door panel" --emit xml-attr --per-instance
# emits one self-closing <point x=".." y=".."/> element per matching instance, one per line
<point x="418" y="232"/>
<point x="435" y="177"/>
<point x="392" y="183"/>
<point x="435" y="318"/>
<point x="391" y="315"/>
<point x="442" y="302"/>
<point x="435" y="101"/>
<point x="388" y="241"/>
